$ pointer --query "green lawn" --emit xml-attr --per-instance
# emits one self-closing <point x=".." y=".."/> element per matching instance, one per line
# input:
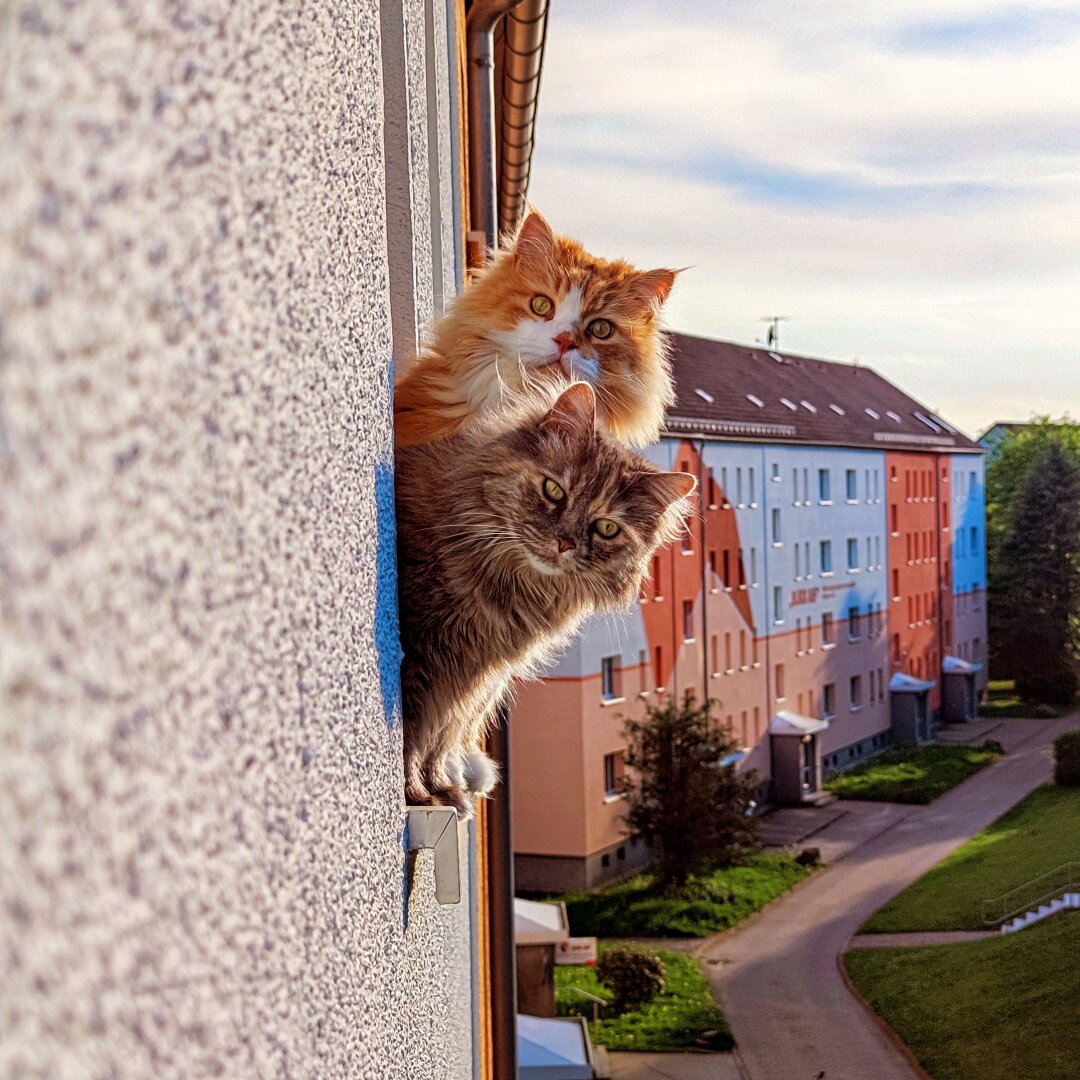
<point x="708" y="903"/>
<point x="1035" y="836"/>
<point x="672" y="1021"/>
<point x="911" y="774"/>
<point x="1007" y="1008"/>
<point x="1005" y="702"/>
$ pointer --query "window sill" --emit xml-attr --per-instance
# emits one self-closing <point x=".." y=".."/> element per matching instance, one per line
<point x="605" y="702"/>
<point x="828" y="573"/>
<point x="690" y="552"/>
<point x="689" y="640"/>
<point x="856" y="708"/>
<point x="828" y="645"/>
<point x="825" y="502"/>
<point x="609" y="798"/>
<point x="854" y="569"/>
<point x="713" y="506"/>
<point x="713" y="592"/>
<point x="729" y="671"/>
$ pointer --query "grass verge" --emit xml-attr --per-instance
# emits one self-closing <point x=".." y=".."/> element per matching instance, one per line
<point x="673" y="1020"/>
<point x="1004" y="702"/>
<point x="998" y="1009"/>
<point x="911" y="774"/>
<point x="1035" y="836"/>
<point x="707" y="904"/>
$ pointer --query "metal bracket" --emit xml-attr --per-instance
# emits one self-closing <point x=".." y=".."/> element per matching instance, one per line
<point x="435" y="827"/>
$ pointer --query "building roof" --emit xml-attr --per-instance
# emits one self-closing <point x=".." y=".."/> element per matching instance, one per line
<point x="729" y="391"/>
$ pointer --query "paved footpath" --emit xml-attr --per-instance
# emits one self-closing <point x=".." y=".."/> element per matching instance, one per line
<point x="778" y="976"/>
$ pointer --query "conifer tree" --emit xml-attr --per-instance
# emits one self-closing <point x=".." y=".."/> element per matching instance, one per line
<point x="1040" y="598"/>
<point x="691" y="807"/>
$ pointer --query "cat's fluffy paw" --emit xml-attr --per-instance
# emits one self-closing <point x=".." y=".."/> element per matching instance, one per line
<point x="459" y="799"/>
<point x="481" y="773"/>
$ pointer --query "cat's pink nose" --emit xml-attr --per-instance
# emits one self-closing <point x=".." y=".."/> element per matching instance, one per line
<point x="565" y="341"/>
<point x="566" y="544"/>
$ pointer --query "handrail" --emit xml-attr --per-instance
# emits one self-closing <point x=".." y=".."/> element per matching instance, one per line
<point x="597" y="1001"/>
<point x="1031" y="894"/>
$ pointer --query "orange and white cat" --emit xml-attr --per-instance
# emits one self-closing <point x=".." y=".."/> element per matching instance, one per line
<point x="543" y="309"/>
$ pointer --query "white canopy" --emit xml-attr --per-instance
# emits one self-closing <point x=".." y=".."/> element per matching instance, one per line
<point x="791" y="723"/>
<point x="538" y="922"/>
<point x="908" y="684"/>
<point x="553" y="1049"/>
<point x="953" y="665"/>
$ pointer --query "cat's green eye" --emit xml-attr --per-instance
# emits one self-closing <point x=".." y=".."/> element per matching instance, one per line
<point x="606" y="528"/>
<point x="556" y="493"/>
<point x="602" y="329"/>
<point x="541" y="305"/>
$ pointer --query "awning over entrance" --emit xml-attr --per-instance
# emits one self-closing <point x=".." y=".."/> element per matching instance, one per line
<point x="553" y="1049"/>
<point x="539" y="922"/>
<point x="953" y="665"/>
<point x="790" y="723"/>
<point x="908" y="684"/>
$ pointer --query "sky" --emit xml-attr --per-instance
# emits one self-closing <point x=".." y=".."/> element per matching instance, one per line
<point x="901" y="180"/>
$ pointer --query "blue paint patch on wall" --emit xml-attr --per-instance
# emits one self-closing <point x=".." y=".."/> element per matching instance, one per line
<point x="387" y="627"/>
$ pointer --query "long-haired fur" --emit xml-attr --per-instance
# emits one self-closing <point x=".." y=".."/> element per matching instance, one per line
<point x="492" y="340"/>
<point x="505" y="543"/>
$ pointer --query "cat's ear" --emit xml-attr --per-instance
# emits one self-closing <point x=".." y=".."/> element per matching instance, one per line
<point x="573" y="414"/>
<point x="535" y="243"/>
<point x="653" y="287"/>
<point x="666" y="488"/>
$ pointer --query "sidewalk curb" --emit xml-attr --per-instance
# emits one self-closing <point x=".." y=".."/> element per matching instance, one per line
<point x="890" y="1036"/>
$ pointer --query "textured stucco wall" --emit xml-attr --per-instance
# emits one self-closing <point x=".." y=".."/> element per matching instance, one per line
<point x="201" y="864"/>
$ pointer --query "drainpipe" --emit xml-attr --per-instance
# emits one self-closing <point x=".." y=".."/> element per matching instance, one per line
<point x="499" y="868"/>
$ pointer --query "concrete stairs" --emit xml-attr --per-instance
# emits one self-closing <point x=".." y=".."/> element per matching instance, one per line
<point x="1066" y="902"/>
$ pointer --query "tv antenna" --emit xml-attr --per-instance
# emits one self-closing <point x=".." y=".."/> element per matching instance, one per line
<point x="772" y="338"/>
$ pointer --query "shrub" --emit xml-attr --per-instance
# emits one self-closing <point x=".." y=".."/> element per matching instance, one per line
<point x="1048" y="683"/>
<point x="809" y="856"/>
<point x="634" y="977"/>
<point x="993" y="746"/>
<point x="1067" y="759"/>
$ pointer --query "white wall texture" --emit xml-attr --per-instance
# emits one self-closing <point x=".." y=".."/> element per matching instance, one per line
<point x="201" y="860"/>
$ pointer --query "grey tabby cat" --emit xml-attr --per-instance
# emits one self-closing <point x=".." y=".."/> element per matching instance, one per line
<point x="508" y="536"/>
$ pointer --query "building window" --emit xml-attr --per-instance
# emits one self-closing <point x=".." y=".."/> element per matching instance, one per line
<point x="742" y="649"/>
<point x="738" y="486"/>
<point x="643" y="672"/>
<point x="775" y="473"/>
<point x="854" y="624"/>
<point x="777" y="537"/>
<point x="855" y="691"/>
<point x="753" y="566"/>
<point x="852" y="485"/>
<point x="613" y="774"/>
<point x="687" y="541"/>
<point x="852" y="554"/>
<point x="780" y="688"/>
<point x="712" y="491"/>
<point x="727" y="569"/>
<point x="798" y="570"/>
<point x="688" y="620"/>
<point x="826" y="557"/>
<point x="828" y="701"/>
<point x="894" y="518"/>
<point x="727" y="651"/>
<point x="654" y="574"/>
<point x="658" y="668"/>
<point x="610" y="678"/>
<point x="714" y="651"/>
<point x="895" y="584"/>
<point x="750" y="494"/>
<point x="974" y="540"/>
<point x="896" y="655"/>
<point x="828" y="630"/>
<point x="778" y="604"/>
<point x="824" y="477"/>
<point x="741" y="564"/>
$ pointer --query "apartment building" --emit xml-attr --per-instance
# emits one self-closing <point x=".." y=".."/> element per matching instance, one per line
<point x="829" y="599"/>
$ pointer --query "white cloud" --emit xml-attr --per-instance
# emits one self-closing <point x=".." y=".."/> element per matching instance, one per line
<point x="917" y="209"/>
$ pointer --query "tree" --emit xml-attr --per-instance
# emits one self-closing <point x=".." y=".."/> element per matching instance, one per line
<point x="1009" y="470"/>
<point x="684" y="800"/>
<point x="1041" y="596"/>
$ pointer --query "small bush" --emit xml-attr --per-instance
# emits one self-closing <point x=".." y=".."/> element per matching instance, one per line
<point x="993" y="746"/>
<point x="1067" y="759"/>
<point x="1048" y="684"/>
<point x="809" y="856"/>
<point x="634" y="977"/>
